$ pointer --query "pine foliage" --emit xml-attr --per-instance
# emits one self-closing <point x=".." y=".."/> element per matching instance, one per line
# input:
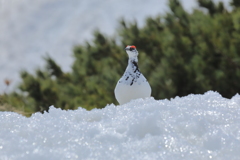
<point x="179" y="53"/>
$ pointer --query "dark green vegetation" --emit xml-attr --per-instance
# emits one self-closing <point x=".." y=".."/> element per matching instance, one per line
<point x="179" y="53"/>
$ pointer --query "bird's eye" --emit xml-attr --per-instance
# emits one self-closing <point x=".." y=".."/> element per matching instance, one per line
<point x="131" y="49"/>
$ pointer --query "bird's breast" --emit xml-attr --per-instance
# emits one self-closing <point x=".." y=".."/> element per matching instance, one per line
<point x="125" y="93"/>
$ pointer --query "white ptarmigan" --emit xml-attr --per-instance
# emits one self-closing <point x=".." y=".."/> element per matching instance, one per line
<point x="132" y="85"/>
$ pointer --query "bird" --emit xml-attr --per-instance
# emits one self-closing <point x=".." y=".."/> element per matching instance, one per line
<point x="132" y="85"/>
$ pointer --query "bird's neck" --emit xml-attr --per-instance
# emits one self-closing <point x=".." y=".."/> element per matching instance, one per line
<point x="133" y="59"/>
<point x="133" y="64"/>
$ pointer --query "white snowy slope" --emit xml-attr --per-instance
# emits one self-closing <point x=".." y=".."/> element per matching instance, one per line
<point x="29" y="30"/>
<point x="190" y="128"/>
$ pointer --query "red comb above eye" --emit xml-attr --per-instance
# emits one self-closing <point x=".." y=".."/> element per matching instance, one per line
<point x="132" y="47"/>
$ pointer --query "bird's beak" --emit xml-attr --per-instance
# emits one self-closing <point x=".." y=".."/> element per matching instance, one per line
<point x="128" y="49"/>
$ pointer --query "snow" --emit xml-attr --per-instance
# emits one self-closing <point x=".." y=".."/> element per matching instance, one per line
<point x="30" y="30"/>
<point x="193" y="127"/>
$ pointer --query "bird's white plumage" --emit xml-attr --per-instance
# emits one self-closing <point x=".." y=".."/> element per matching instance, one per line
<point x="132" y="85"/>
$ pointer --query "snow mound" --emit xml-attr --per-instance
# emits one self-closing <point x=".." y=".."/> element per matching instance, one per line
<point x="193" y="127"/>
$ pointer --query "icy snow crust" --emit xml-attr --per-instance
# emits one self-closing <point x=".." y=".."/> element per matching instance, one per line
<point x="192" y="127"/>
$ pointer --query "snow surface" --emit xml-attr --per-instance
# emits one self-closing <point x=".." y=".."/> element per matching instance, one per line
<point x="29" y="30"/>
<point x="194" y="127"/>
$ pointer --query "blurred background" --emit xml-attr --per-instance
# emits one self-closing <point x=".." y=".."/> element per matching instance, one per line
<point x="71" y="54"/>
<point x="30" y="30"/>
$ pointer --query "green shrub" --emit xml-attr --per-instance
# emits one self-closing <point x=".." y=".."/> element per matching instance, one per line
<point x="179" y="53"/>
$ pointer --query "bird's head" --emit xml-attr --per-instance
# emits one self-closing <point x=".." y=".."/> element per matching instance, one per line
<point x="131" y="51"/>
